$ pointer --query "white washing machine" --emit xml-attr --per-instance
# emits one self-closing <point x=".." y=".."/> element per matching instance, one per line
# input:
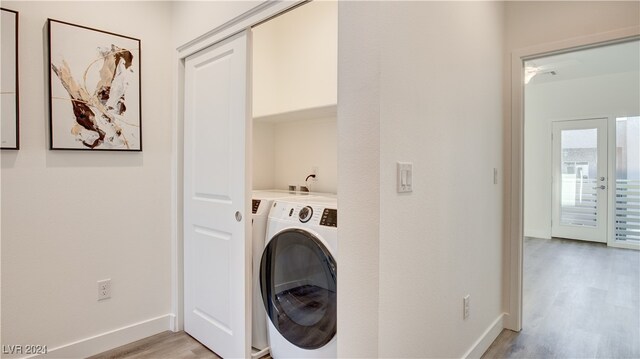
<point x="260" y="206"/>
<point x="298" y="278"/>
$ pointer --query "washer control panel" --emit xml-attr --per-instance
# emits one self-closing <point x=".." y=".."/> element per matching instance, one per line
<point x="329" y="217"/>
<point x="311" y="214"/>
<point x="255" y="204"/>
<point x="305" y="214"/>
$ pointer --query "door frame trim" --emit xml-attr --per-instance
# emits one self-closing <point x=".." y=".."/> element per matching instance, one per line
<point x="262" y="12"/>
<point x="514" y="158"/>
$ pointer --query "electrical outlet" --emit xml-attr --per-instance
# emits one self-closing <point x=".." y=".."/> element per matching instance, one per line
<point x="104" y="289"/>
<point x="465" y="311"/>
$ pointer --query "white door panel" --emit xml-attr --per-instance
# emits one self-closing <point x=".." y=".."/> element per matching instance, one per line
<point x="217" y="244"/>
<point x="580" y="182"/>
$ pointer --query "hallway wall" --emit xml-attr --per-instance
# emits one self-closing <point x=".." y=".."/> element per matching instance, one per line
<point x="441" y="110"/>
<point x="418" y="81"/>
<point x="71" y="218"/>
<point x="433" y="71"/>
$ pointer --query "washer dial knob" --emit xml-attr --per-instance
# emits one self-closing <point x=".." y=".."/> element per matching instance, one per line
<point x="305" y="214"/>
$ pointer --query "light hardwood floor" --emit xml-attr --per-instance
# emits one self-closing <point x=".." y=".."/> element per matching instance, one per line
<point x="165" y="345"/>
<point x="581" y="300"/>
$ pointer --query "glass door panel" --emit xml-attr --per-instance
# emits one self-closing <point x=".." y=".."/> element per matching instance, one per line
<point x="579" y="179"/>
<point x="579" y="149"/>
<point x="627" y="181"/>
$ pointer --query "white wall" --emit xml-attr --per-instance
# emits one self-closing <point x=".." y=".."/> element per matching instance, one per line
<point x="614" y="95"/>
<point x="285" y="152"/>
<point x="531" y="23"/>
<point x="72" y="218"/>
<point x="359" y="28"/>
<point x="301" y="145"/>
<point x="191" y="19"/>
<point x="263" y="155"/>
<point x="295" y="60"/>
<point x="438" y="69"/>
<point x="441" y="70"/>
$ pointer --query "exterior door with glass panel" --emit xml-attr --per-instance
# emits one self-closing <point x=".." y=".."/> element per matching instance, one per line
<point x="579" y="195"/>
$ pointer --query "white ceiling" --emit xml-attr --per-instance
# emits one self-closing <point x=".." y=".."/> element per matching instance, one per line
<point x="618" y="58"/>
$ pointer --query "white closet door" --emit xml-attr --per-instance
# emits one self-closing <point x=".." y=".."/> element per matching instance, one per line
<point x="217" y="216"/>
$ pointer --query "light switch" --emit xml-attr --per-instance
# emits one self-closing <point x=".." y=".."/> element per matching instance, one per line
<point x="405" y="174"/>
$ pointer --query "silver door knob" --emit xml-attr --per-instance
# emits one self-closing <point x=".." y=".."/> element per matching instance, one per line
<point x="238" y="216"/>
<point x="601" y="187"/>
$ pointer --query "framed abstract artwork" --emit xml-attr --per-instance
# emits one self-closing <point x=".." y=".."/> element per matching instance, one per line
<point x="10" y="115"/>
<point x="94" y="89"/>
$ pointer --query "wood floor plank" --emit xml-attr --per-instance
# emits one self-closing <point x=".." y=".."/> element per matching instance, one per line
<point x="165" y="345"/>
<point x="581" y="300"/>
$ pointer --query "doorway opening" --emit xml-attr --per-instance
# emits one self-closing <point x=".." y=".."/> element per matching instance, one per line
<point x="581" y="201"/>
<point x="581" y="150"/>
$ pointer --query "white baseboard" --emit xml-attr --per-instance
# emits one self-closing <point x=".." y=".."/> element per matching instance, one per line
<point x="109" y="340"/>
<point x="482" y="344"/>
<point x="173" y="323"/>
<point x="509" y="322"/>
<point x="538" y="234"/>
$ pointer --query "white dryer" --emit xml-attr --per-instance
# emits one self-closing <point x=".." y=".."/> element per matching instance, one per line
<point x="298" y="278"/>
<point x="260" y="206"/>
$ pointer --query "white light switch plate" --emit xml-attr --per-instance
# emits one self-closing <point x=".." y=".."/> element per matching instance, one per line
<point x="405" y="177"/>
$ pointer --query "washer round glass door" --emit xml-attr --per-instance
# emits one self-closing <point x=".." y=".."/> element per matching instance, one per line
<point x="298" y="284"/>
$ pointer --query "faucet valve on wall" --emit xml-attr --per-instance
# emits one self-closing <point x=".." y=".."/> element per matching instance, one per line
<point x="313" y="176"/>
<point x="306" y="182"/>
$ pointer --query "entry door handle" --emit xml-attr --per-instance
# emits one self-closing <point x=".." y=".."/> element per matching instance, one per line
<point x="601" y="187"/>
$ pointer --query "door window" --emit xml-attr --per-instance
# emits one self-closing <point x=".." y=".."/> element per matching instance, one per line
<point x="579" y="177"/>
<point x="627" y="202"/>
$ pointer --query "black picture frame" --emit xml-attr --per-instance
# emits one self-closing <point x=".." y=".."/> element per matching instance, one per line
<point x="95" y="89"/>
<point x="10" y="120"/>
